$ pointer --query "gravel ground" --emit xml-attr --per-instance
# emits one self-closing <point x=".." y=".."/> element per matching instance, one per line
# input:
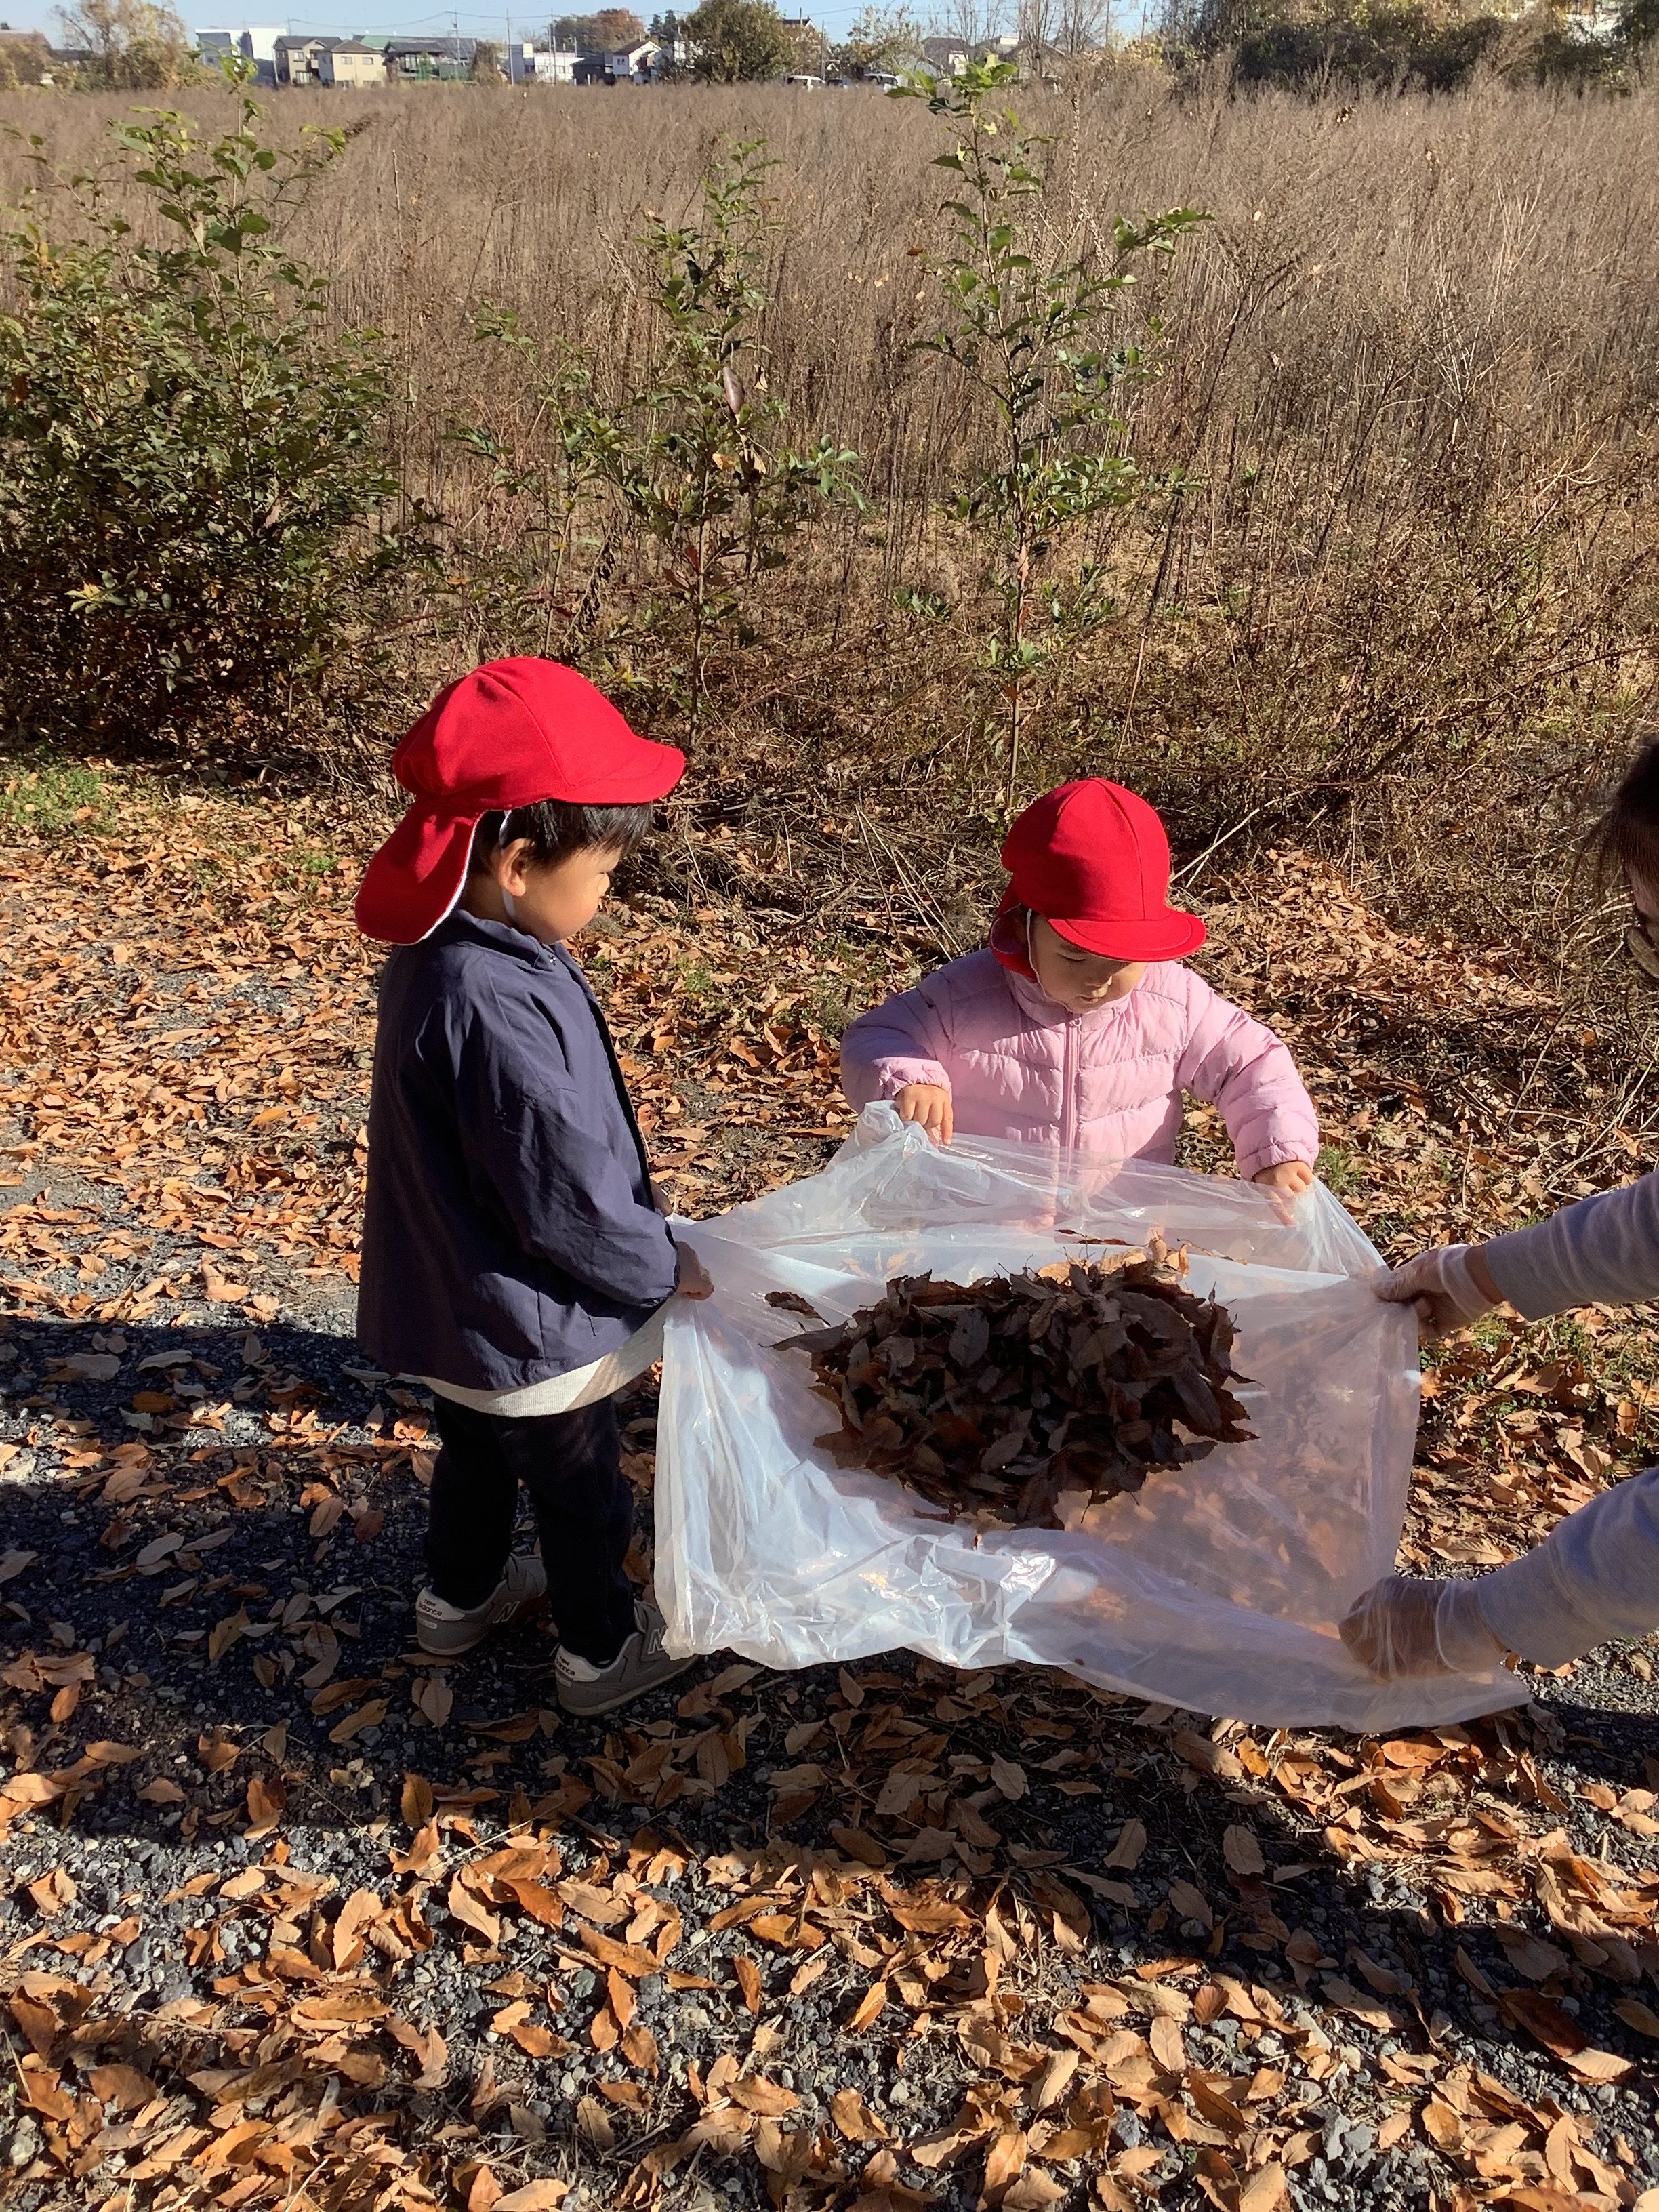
<point x="205" y="1398"/>
<point x="867" y="1917"/>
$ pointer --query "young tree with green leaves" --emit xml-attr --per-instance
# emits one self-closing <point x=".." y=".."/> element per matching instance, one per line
<point x="194" y="510"/>
<point x="696" y="458"/>
<point x="1034" y="336"/>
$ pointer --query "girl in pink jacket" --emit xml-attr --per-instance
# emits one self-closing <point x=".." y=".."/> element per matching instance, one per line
<point x="1078" y="1024"/>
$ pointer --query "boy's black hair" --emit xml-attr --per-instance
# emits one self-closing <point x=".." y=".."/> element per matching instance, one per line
<point x="1626" y="838"/>
<point x="556" y="830"/>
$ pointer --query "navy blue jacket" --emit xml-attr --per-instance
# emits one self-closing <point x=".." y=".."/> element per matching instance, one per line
<point x="510" y="1232"/>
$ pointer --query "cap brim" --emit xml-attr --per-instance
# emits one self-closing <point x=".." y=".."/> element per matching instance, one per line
<point x="413" y="882"/>
<point x="640" y="772"/>
<point x="1171" y="935"/>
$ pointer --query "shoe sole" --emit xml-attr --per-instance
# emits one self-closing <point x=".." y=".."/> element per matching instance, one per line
<point x="494" y="1628"/>
<point x="624" y="1697"/>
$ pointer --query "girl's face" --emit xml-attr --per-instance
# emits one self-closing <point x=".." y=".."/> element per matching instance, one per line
<point x="1080" y="981"/>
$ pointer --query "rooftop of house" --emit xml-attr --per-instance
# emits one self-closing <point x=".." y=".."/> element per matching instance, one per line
<point x="940" y="49"/>
<point x="449" y="49"/>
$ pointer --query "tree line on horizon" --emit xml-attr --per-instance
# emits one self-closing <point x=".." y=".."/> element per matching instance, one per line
<point x="143" y="45"/>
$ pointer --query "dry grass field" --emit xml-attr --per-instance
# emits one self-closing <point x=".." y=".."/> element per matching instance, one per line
<point x="1410" y="368"/>
<point x="1403" y="608"/>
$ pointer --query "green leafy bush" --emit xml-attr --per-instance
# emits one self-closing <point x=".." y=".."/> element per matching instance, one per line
<point x="735" y="41"/>
<point x="1032" y="332"/>
<point x="647" y="516"/>
<point x="696" y="458"/>
<point x="193" y="504"/>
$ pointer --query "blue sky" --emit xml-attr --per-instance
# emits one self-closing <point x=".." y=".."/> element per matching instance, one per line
<point x="387" y="15"/>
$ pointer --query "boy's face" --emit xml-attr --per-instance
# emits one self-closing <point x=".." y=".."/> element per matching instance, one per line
<point x="553" y="904"/>
<point x="1079" y="981"/>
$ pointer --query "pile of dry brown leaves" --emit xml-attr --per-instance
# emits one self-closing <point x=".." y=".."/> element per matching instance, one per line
<point x="1023" y="1400"/>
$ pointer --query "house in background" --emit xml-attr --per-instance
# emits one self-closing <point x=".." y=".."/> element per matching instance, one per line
<point x="349" y="65"/>
<point x="415" y="61"/>
<point x="626" y="65"/>
<point x="299" y="61"/>
<point x="254" y="42"/>
<point x="529" y="64"/>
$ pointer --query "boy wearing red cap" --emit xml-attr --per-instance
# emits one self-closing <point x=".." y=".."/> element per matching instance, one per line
<point x="1079" y="1024"/>
<point x="514" y="1259"/>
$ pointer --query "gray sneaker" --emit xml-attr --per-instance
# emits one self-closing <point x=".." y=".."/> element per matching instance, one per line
<point x="640" y="1665"/>
<point x="447" y="1632"/>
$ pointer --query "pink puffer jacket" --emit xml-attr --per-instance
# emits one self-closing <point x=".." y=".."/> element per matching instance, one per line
<point x="1109" y="1082"/>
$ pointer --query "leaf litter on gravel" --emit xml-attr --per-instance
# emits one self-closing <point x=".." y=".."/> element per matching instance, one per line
<point x="929" y="1899"/>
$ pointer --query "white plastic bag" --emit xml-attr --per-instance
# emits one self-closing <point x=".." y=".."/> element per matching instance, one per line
<point x="1218" y="1586"/>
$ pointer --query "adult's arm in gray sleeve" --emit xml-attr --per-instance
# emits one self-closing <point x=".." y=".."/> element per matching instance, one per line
<point x="1595" y="1575"/>
<point x="1603" y="1251"/>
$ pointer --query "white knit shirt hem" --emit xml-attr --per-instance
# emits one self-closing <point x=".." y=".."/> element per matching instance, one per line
<point x="563" y="1394"/>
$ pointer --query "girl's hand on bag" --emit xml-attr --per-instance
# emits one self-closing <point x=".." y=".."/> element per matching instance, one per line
<point x="1291" y="1176"/>
<point x="1450" y="1287"/>
<point x="930" y="1104"/>
<point x="1285" y="1182"/>
<point x="695" y="1281"/>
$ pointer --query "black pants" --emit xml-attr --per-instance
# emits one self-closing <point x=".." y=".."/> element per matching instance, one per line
<point x="570" y="1463"/>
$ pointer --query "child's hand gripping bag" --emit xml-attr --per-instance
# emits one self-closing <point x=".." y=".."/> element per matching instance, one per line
<point x="1217" y="1586"/>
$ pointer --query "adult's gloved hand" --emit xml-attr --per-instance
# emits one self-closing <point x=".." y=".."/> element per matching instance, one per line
<point x="1406" y="1625"/>
<point x="1449" y="1287"/>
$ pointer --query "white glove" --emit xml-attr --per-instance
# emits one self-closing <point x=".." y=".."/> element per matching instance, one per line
<point x="1439" y="1285"/>
<point x="1404" y="1625"/>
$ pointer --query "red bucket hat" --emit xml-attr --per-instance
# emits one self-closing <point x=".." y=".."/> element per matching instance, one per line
<point x="1094" y="861"/>
<point x="510" y="734"/>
